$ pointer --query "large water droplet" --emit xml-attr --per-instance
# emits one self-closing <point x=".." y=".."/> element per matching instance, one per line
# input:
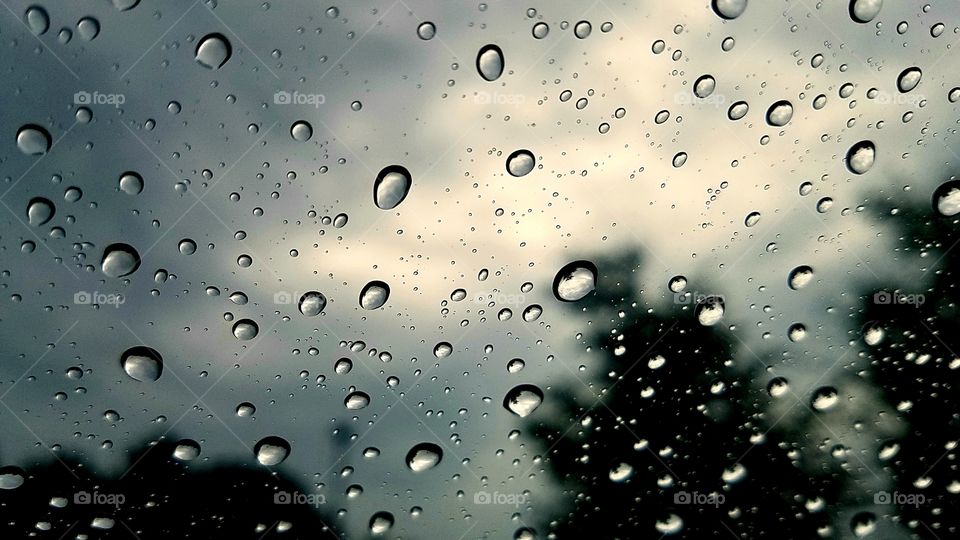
<point x="443" y="349"/>
<point x="946" y="198"/>
<point x="710" y="310"/>
<point x="780" y="113"/>
<point x="523" y="399"/>
<point x="312" y="303"/>
<point x="672" y="524"/>
<point x="40" y="211"/>
<point x="575" y="281"/>
<point x="909" y="79"/>
<point x="33" y="140"/>
<point x="729" y="9"/>
<point x="37" y="20"/>
<point x="374" y="295"/>
<point x="131" y="183"/>
<point x="271" y="451"/>
<point x="490" y="62"/>
<point x="142" y="363"/>
<point x="861" y="156"/>
<point x="213" y="51"/>
<point x="391" y="187"/>
<point x="824" y="398"/>
<point x="424" y="456"/>
<point x="864" y="11"/>
<point x="124" y="5"/>
<point x="863" y="524"/>
<point x="119" y="260"/>
<point x="520" y="163"/>
<point x="799" y="277"/>
<point x="301" y="131"/>
<point x="356" y="400"/>
<point x="381" y="522"/>
<point x="11" y="477"/>
<point x="187" y="450"/>
<point x="704" y="86"/>
<point x="532" y="312"/>
<point x="426" y="31"/>
<point x="245" y="329"/>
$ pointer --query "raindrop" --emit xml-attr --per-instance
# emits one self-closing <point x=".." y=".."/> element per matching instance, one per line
<point x="575" y="281"/>
<point x="426" y="30"/>
<point x="864" y="11"/>
<point x="540" y="30"/>
<point x="490" y="62"/>
<point x="40" y="211"/>
<point x="391" y="187"/>
<point x="424" y="456"/>
<point x="246" y="409"/>
<point x="729" y="9"/>
<point x="909" y="79"/>
<point x="187" y="450"/>
<point x="131" y="183"/>
<point x="37" y="20"/>
<point x="582" y="29"/>
<point x="443" y="349"/>
<point x="522" y="400"/>
<point x="213" y="51"/>
<point x="752" y="219"/>
<point x="780" y="113"/>
<point x="738" y="110"/>
<point x="946" y="198"/>
<point x="142" y="363"/>
<point x="532" y="312"/>
<point x="710" y="310"/>
<point x="800" y="277"/>
<point x="119" y="260"/>
<point x="356" y="400"/>
<point x="374" y="295"/>
<point x="271" y="451"/>
<point x="33" y="140"/>
<point x="861" y="156"/>
<point x="312" y="303"/>
<point x="704" y="86"/>
<point x="520" y="163"/>
<point x="381" y="522"/>
<point x="824" y="398"/>
<point x="301" y="131"/>
<point x="245" y="329"/>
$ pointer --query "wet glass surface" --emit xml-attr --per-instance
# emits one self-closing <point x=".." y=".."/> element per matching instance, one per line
<point x="479" y="270"/>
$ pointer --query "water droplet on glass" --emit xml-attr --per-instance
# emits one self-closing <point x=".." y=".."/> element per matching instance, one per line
<point x="864" y="11"/>
<point x="824" y="398"/>
<point x="301" y="131"/>
<point x="33" y="140"/>
<point x="424" y="456"/>
<point x="131" y="183"/>
<point x="391" y="187"/>
<point x="213" y="51"/>
<point x="532" y="312"/>
<point x="443" y="349"/>
<point x="246" y="409"/>
<point x="540" y="30"/>
<point x="40" y="211"/>
<point x="523" y="399"/>
<point x="374" y="295"/>
<point x="119" y="260"/>
<point x="520" y="163"/>
<point x="381" y="522"/>
<point x="575" y="281"/>
<point x="245" y="329"/>
<point x="704" y="86"/>
<point x="738" y="110"/>
<point x="752" y="219"/>
<point x="710" y="310"/>
<point x="861" y="156"/>
<point x="37" y="20"/>
<point x="582" y="29"/>
<point x="187" y="450"/>
<point x="729" y="9"/>
<point x="490" y="62"/>
<point x="312" y="303"/>
<point x="271" y="451"/>
<point x="780" y="113"/>
<point x="426" y="30"/>
<point x="356" y="400"/>
<point x="142" y="363"/>
<point x="946" y="198"/>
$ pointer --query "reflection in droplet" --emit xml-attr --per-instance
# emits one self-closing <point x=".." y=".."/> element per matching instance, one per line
<point x="301" y="131"/>
<point x="864" y="11"/>
<point x="861" y="156"/>
<point x="312" y="303"/>
<point x="946" y="198"/>
<point x="374" y="295"/>
<point x="824" y="398"/>
<point x="33" y="140"/>
<point x="575" y="281"/>
<point x="520" y="163"/>
<point x="187" y="450"/>
<point x="356" y="400"/>
<point x="443" y="349"/>
<point x="245" y="329"/>
<point x="424" y="456"/>
<point x="381" y="522"/>
<point x="142" y="363"/>
<point x="391" y="187"/>
<point x="271" y="451"/>
<point x="213" y="51"/>
<point x="523" y="399"/>
<point x="532" y="312"/>
<point x="780" y="113"/>
<point x="909" y="79"/>
<point x="131" y="183"/>
<point x="426" y="31"/>
<point x="729" y="9"/>
<point x="710" y="310"/>
<point x="490" y="62"/>
<point x="119" y="260"/>
<point x="40" y="211"/>
<point x="704" y="86"/>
